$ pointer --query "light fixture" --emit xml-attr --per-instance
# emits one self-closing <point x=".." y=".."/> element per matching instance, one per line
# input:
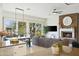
<point x="19" y="11"/>
<point x="54" y="13"/>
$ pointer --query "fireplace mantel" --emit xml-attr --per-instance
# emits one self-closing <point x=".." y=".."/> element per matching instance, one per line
<point x="67" y="33"/>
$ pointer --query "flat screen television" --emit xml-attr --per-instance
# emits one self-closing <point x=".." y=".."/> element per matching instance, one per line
<point x="52" y="28"/>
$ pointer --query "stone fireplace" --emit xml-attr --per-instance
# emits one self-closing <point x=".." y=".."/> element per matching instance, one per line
<point x="67" y="33"/>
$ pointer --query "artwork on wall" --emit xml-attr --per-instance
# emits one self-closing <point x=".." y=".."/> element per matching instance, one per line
<point x="35" y="29"/>
<point x="32" y="29"/>
<point x="21" y="28"/>
<point x="38" y="29"/>
<point x="9" y="25"/>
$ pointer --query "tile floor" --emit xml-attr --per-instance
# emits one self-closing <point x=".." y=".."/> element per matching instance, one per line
<point x="39" y="51"/>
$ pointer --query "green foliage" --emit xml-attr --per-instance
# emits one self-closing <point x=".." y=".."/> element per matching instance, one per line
<point x="21" y="28"/>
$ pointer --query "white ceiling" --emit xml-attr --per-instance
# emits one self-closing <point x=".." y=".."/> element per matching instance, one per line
<point x="42" y="9"/>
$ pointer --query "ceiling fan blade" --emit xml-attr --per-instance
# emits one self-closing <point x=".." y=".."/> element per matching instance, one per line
<point x="59" y="11"/>
<point x="56" y="11"/>
<point x="67" y="3"/>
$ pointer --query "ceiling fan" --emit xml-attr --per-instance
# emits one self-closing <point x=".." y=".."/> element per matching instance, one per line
<point x="70" y="4"/>
<point x="56" y="12"/>
<point x="67" y="3"/>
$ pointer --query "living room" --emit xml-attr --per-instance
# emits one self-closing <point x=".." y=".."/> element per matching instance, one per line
<point x="39" y="29"/>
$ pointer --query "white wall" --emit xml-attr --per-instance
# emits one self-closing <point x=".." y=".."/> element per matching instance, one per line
<point x="53" y="20"/>
<point x="1" y="16"/>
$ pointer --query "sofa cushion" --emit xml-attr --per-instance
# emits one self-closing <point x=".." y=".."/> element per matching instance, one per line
<point x="43" y="42"/>
<point x="35" y="40"/>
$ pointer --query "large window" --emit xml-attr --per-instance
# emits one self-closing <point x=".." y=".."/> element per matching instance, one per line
<point x="9" y="25"/>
